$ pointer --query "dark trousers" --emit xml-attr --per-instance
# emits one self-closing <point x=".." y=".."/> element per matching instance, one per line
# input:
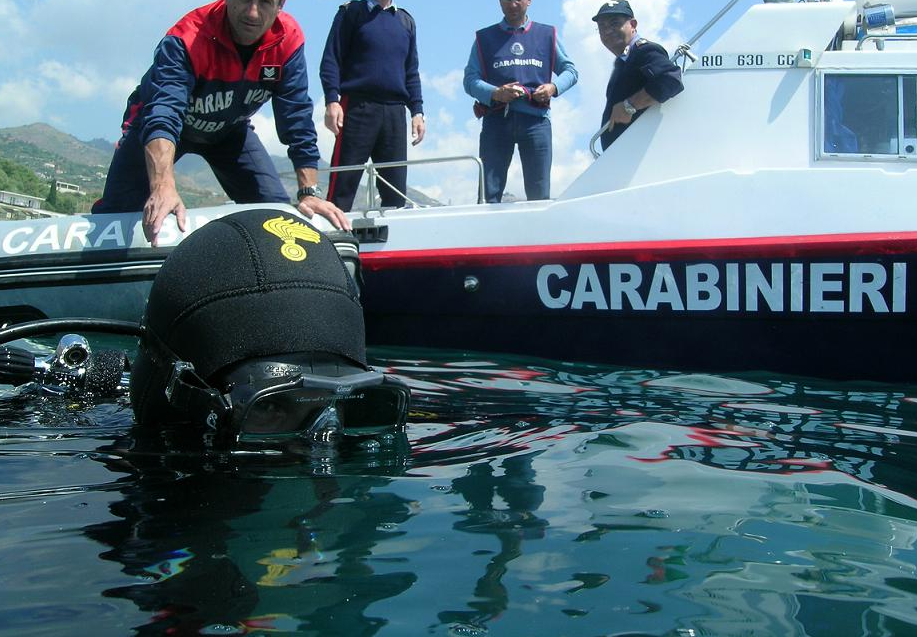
<point x="371" y="131"/>
<point x="499" y="136"/>
<point x="239" y="161"/>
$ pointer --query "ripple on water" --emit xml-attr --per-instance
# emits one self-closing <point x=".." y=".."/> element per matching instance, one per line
<point x="527" y="494"/>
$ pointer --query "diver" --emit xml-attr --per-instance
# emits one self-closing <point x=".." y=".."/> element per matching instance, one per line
<point x="252" y="343"/>
<point x="253" y="335"/>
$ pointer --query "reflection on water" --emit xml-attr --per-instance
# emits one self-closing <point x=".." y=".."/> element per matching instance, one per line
<point x="530" y="497"/>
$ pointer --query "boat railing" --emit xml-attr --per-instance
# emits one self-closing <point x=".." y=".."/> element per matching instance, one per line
<point x="595" y="138"/>
<point x="881" y="38"/>
<point x="372" y="169"/>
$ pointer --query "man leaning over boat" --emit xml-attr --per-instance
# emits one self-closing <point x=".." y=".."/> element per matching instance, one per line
<point x="643" y="74"/>
<point x="192" y="101"/>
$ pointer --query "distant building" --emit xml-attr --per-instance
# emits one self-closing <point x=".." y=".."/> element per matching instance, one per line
<point x="73" y="189"/>
<point x="21" y="201"/>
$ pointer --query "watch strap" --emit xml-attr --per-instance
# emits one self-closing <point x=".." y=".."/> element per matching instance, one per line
<point x="308" y="191"/>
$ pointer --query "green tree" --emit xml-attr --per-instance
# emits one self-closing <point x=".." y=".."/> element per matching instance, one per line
<point x="51" y="199"/>
<point x="68" y="204"/>
<point x="17" y="178"/>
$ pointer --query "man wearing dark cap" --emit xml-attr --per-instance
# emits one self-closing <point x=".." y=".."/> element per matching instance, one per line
<point x="515" y="69"/>
<point x="211" y="72"/>
<point x="643" y="74"/>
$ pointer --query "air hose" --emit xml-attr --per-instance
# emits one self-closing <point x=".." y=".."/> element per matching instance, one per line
<point x="53" y="326"/>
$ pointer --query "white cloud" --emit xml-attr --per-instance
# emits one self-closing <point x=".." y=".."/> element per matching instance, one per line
<point x="74" y="53"/>
<point x="10" y="17"/>
<point x="75" y="92"/>
<point x="267" y="133"/>
<point x="445" y="118"/>
<point x="449" y="85"/>
<point x="13" y="27"/>
<point x="91" y="30"/>
<point x="70" y="81"/>
<point x="21" y="102"/>
<point x="116" y="90"/>
<point x="265" y="126"/>
<point x="325" y="138"/>
<point x="454" y="181"/>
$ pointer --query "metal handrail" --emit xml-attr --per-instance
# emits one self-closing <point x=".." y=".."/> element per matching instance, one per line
<point x="372" y="173"/>
<point x="714" y="20"/>
<point x="883" y="38"/>
<point x="595" y="153"/>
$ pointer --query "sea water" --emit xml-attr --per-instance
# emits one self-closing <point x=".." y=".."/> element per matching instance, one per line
<point x="528" y="497"/>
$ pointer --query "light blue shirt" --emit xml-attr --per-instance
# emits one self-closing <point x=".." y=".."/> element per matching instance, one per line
<point x="475" y="85"/>
<point x="372" y="4"/>
<point x="626" y="53"/>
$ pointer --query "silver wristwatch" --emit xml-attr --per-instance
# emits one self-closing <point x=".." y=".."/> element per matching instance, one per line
<point x="308" y="191"/>
<point x="628" y="107"/>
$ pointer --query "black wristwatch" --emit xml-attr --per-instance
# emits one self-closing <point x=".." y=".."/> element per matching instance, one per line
<point x="308" y="191"/>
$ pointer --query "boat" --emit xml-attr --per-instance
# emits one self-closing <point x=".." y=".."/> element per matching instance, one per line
<point x="758" y="221"/>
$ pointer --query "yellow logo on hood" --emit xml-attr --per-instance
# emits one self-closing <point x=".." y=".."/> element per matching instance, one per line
<point x="289" y="231"/>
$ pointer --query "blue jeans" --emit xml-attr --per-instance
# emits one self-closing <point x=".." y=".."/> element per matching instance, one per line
<point x="239" y="161"/>
<point x="499" y="136"/>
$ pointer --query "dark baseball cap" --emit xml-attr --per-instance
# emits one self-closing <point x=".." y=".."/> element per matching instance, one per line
<point x="615" y="8"/>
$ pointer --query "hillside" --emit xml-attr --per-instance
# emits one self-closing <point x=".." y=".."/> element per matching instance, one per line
<point x="50" y="140"/>
<point x="52" y="154"/>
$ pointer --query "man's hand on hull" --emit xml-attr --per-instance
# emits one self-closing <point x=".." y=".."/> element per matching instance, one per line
<point x="310" y="206"/>
<point x="163" y="201"/>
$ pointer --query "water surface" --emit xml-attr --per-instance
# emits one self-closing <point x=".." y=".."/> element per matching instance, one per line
<point x="529" y="497"/>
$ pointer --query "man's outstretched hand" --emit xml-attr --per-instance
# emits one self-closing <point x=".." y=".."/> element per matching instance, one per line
<point x="163" y="201"/>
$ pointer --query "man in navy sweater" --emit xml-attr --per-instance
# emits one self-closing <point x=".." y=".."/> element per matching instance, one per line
<point x="509" y="73"/>
<point x="211" y="72"/>
<point x="370" y="73"/>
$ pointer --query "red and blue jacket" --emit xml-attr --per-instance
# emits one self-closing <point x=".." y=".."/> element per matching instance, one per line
<point x="199" y="91"/>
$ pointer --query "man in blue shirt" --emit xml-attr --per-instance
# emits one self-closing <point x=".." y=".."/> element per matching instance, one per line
<point x="509" y="73"/>
<point x="370" y="74"/>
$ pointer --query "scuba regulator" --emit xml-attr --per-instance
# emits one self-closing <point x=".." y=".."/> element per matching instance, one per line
<point x="73" y="368"/>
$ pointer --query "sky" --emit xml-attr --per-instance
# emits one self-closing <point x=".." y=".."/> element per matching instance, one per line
<point x="72" y="64"/>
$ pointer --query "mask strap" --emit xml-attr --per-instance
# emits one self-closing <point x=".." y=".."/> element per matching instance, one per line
<point x="189" y="393"/>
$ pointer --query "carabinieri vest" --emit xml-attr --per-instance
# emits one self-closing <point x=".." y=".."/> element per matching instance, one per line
<point x="524" y="56"/>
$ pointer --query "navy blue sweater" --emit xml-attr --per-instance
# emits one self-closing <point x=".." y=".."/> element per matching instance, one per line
<point x="372" y="55"/>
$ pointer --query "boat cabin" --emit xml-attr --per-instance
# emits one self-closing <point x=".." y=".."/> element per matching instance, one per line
<point x="789" y="86"/>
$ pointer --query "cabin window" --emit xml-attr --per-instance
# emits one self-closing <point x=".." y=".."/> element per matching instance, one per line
<point x="869" y="115"/>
